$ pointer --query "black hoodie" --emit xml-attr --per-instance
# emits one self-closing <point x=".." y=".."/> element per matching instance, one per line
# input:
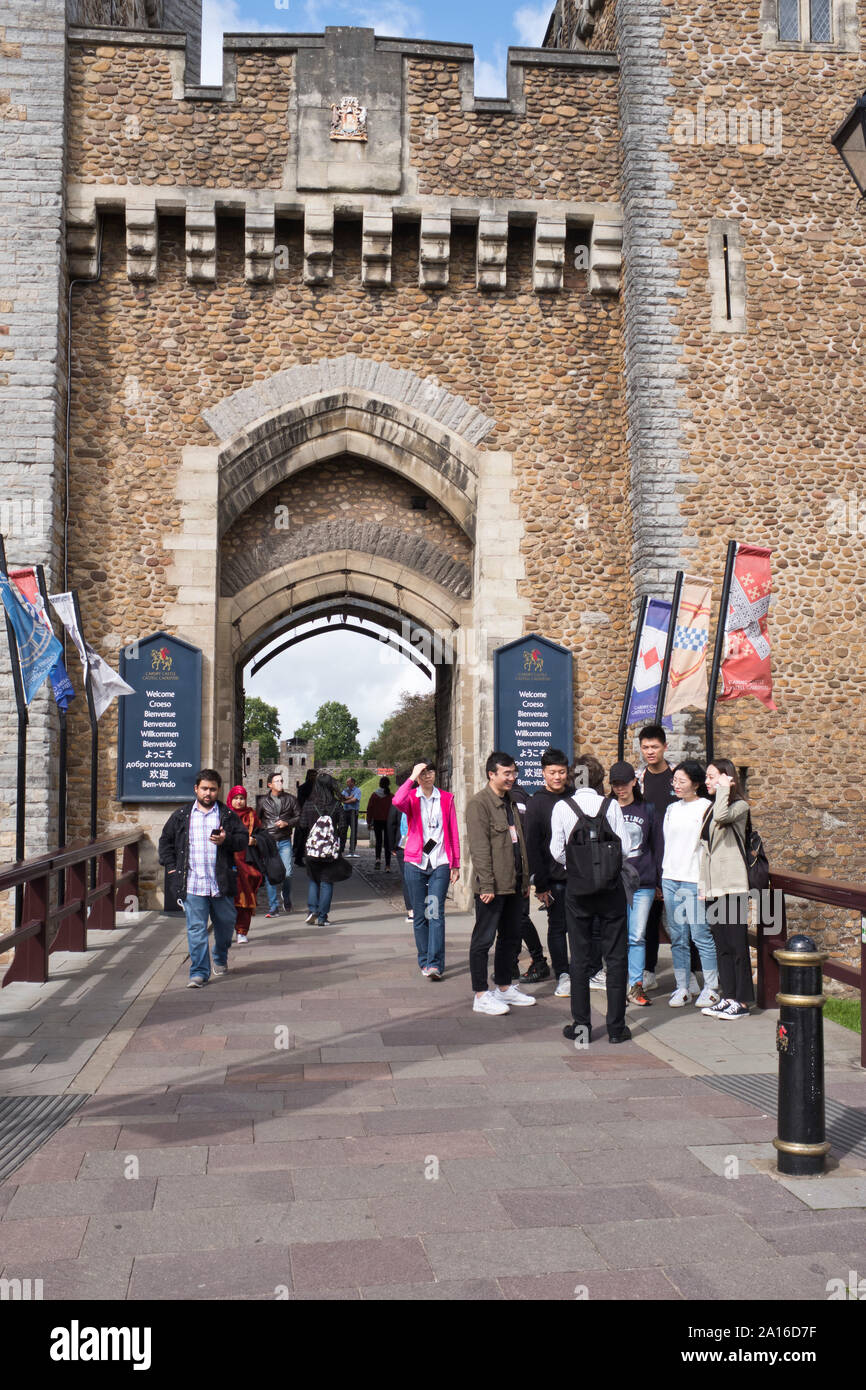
<point x="543" y="868"/>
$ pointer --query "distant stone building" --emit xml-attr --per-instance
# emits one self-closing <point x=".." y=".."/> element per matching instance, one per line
<point x="295" y="757"/>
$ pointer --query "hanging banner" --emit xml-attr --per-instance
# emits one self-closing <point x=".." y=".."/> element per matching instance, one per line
<point x="159" y="723"/>
<point x="533" y="710"/>
<point x="105" y="684"/>
<point x="648" y="671"/>
<point x="38" y="648"/>
<point x="746" y="664"/>
<point x="26" y="582"/>
<point x="687" y="679"/>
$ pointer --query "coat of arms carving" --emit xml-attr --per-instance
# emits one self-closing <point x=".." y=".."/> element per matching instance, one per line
<point x="348" y="120"/>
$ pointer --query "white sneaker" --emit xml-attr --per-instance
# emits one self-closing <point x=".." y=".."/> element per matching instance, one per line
<point x="706" y="998"/>
<point x="513" y="995"/>
<point x="680" y="998"/>
<point x="649" y="980"/>
<point x="309" y="919"/>
<point x="563" y="986"/>
<point x="599" y="981"/>
<point x="488" y="1004"/>
<point x="241" y="941"/>
<point x="694" y="985"/>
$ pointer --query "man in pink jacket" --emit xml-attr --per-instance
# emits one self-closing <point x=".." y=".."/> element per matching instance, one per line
<point x="431" y="861"/>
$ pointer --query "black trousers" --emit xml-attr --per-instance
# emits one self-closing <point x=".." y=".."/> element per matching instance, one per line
<point x="611" y="909"/>
<point x="728" y="921"/>
<point x="497" y="921"/>
<point x="380" y="830"/>
<point x="557" y="932"/>
<point x="399" y="856"/>
<point x="529" y="935"/>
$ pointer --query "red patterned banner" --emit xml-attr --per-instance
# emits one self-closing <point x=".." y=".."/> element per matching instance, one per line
<point x="746" y="665"/>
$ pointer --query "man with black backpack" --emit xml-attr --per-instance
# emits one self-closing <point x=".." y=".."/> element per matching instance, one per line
<point x="588" y="837"/>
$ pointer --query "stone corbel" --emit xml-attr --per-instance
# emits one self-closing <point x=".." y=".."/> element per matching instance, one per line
<point x="435" y="255"/>
<point x="82" y="243"/>
<point x="201" y="245"/>
<point x="259" y="246"/>
<point x="548" y="260"/>
<point x="605" y="257"/>
<point x="318" y="246"/>
<point x="492" y="252"/>
<point x="376" y="249"/>
<point x="141" y="242"/>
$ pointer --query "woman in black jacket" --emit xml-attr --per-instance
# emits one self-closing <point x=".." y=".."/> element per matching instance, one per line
<point x="646" y="853"/>
<point x="322" y="821"/>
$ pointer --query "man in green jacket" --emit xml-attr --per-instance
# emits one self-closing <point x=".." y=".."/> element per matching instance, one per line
<point x="501" y="867"/>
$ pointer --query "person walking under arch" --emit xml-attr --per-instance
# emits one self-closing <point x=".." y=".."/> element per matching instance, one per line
<point x="431" y="861"/>
<point x="249" y="878"/>
<point x="377" y="819"/>
<point x="279" y="815"/>
<point x="724" y="885"/>
<point x="322" y="819"/>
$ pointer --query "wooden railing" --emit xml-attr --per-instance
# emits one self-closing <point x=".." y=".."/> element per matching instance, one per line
<point x="82" y="907"/>
<point x="817" y="890"/>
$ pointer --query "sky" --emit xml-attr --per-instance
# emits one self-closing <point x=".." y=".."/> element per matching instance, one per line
<point x="491" y="28"/>
<point x="357" y="671"/>
<point x="366" y="677"/>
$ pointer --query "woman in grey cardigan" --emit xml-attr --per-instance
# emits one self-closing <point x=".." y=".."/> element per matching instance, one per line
<point x="724" y="883"/>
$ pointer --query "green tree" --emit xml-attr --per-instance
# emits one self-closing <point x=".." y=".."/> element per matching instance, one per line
<point x="407" y="735"/>
<point x="262" y="721"/>
<point x="335" y="730"/>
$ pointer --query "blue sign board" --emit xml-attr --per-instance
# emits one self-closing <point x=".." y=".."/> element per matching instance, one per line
<point x="532" y="680"/>
<point x="159" y="728"/>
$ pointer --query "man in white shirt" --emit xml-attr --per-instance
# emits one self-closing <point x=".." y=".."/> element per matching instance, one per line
<point x="608" y="905"/>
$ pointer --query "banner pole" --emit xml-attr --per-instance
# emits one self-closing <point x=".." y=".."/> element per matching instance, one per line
<point x="94" y="734"/>
<point x="719" y="648"/>
<point x="669" y="645"/>
<point x="623" y="718"/>
<point x="61" y="752"/>
<point x="21" y="769"/>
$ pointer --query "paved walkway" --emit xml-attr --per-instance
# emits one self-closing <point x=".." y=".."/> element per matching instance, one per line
<point x="325" y="1123"/>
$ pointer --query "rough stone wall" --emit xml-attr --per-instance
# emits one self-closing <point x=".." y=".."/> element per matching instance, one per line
<point x="564" y="147"/>
<point x="126" y="126"/>
<point x="336" y="504"/>
<point x="32" y="376"/>
<point x="148" y="360"/>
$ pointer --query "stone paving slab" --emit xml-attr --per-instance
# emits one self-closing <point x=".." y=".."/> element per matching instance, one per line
<point x="401" y="1147"/>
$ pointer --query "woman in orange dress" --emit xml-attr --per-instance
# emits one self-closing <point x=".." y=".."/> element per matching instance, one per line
<point x="249" y="878"/>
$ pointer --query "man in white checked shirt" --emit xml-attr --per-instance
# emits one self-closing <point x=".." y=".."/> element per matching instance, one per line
<point x="197" y="847"/>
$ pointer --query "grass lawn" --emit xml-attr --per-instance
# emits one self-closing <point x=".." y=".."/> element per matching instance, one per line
<point x="844" y="1011"/>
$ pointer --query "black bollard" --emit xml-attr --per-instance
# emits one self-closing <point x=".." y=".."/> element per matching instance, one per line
<point x="801" y="1145"/>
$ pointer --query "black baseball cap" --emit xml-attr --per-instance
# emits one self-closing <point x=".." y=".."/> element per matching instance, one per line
<point x="621" y="772"/>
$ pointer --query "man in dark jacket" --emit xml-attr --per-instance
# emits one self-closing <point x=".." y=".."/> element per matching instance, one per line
<point x="538" y="968"/>
<point x="498" y="853"/>
<point x="548" y="877"/>
<point x="279" y="813"/>
<point x="197" y="847"/>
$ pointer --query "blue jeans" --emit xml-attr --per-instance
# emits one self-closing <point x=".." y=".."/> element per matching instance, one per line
<point x="638" y="914"/>
<point x="319" y="897"/>
<point x="427" y="889"/>
<point x="224" y="913"/>
<point x="685" y="915"/>
<point x="285" y="850"/>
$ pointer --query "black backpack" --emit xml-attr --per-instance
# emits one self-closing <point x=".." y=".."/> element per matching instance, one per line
<point x="755" y="857"/>
<point x="593" y="851"/>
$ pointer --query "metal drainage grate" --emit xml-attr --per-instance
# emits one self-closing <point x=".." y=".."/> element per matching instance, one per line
<point x="846" y="1127"/>
<point x="27" y="1121"/>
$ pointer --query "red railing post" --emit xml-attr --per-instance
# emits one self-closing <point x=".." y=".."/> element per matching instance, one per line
<point x="102" y="911"/>
<point x="126" y="890"/>
<point x="30" y="962"/>
<point x="72" y="935"/>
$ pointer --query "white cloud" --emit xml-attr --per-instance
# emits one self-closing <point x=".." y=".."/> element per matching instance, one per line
<point x="490" y="74"/>
<point x="531" y="24"/>
<point x="225" y="17"/>
<point x="357" y="671"/>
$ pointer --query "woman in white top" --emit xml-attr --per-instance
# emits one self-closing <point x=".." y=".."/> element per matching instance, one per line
<point x="680" y="876"/>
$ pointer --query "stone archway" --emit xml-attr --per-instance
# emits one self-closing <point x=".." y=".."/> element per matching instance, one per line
<point x="422" y="435"/>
